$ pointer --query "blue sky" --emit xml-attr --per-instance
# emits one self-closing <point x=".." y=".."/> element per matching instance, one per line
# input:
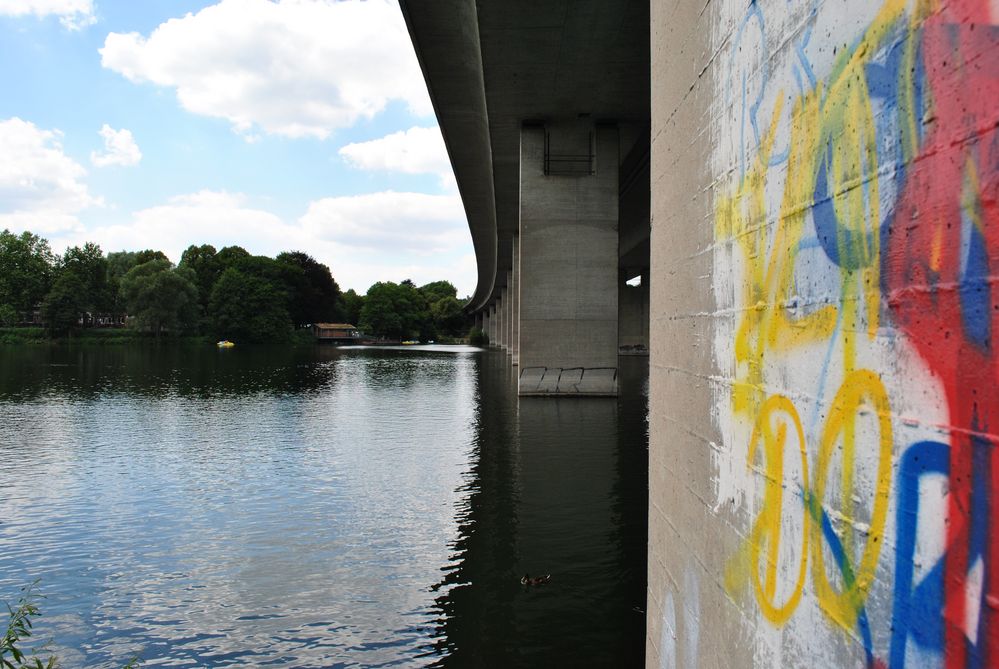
<point x="272" y="124"/>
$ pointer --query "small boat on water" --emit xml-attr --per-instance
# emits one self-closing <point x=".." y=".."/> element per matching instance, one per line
<point x="225" y="343"/>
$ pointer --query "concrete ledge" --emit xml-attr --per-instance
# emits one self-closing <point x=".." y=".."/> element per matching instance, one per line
<point x="568" y="382"/>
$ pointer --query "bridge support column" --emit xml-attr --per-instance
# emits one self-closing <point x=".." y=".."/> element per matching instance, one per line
<point x="633" y="317"/>
<point x="568" y="260"/>
<point x="492" y="324"/>
<point x="501" y="319"/>
<point x="508" y="313"/>
<point x="514" y="284"/>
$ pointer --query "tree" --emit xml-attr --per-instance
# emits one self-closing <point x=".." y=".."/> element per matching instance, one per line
<point x="351" y="304"/>
<point x="229" y="256"/>
<point x="63" y="304"/>
<point x="445" y="309"/>
<point x="119" y="262"/>
<point x="249" y="308"/>
<point x="142" y="257"/>
<point x="396" y="310"/>
<point x="159" y="297"/>
<point x="90" y="266"/>
<point x="314" y="294"/>
<point x="448" y="316"/>
<point x="203" y="261"/>
<point x="437" y="290"/>
<point x="26" y="263"/>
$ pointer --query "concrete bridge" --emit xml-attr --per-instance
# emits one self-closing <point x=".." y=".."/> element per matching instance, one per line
<point x="544" y="108"/>
<point x="818" y="295"/>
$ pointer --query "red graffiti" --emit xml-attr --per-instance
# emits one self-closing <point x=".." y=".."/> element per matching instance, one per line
<point x="941" y="264"/>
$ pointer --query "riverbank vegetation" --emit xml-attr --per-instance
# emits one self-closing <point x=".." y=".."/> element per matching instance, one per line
<point x="85" y="295"/>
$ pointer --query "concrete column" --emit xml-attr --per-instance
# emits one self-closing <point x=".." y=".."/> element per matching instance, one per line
<point x="633" y="314"/>
<point x="500" y="339"/>
<point x="508" y="312"/>
<point x="568" y="263"/>
<point x="515" y="303"/>
<point x="484" y="316"/>
<point x="492" y="324"/>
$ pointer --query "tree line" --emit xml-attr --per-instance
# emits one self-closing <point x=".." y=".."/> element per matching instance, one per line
<point x="226" y="294"/>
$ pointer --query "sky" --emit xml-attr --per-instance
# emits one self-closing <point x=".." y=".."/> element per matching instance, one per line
<point x="275" y="125"/>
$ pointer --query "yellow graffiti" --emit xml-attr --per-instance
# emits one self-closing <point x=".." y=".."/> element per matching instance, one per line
<point x="766" y="530"/>
<point x="858" y="389"/>
<point x="833" y="136"/>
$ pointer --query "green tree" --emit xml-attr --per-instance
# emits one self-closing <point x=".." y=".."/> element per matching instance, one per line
<point x="8" y="315"/>
<point x="64" y="304"/>
<point x="446" y="312"/>
<point x="248" y="308"/>
<point x="160" y="297"/>
<point x="142" y="257"/>
<point x="90" y="266"/>
<point x="448" y="316"/>
<point x="203" y="261"/>
<point x="26" y="264"/>
<point x="396" y="310"/>
<point x="229" y="256"/>
<point x="437" y="290"/>
<point x="351" y="304"/>
<point x="119" y="262"/>
<point x="314" y="294"/>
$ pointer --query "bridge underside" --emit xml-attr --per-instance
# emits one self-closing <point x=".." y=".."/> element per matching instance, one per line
<point x="544" y="108"/>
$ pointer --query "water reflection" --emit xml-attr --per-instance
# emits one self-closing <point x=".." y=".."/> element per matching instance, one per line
<point x="559" y="486"/>
<point x="87" y="372"/>
<point x="315" y="508"/>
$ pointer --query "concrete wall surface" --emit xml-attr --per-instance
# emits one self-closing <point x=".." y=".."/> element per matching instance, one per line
<point x="824" y="315"/>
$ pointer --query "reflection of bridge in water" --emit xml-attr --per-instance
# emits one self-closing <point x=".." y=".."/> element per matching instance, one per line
<point x="546" y="493"/>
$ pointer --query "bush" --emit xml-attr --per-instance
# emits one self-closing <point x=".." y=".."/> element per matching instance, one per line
<point x="476" y="337"/>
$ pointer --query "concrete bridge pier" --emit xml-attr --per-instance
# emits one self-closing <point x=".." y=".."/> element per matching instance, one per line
<point x="492" y="325"/>
<point x="508" y="332"/>
<point x="499" y="321"/>
<point x="568" y="259"/>
<point x="514" y="284"/>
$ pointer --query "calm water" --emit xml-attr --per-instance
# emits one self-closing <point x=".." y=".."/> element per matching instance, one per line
<point x="319" y="508"/>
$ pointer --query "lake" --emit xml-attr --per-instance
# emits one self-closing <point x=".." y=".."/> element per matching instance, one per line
<point x="320" y="507"/>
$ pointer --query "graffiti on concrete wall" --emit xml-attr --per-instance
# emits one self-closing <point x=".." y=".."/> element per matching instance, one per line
<point x="857" y="248"/>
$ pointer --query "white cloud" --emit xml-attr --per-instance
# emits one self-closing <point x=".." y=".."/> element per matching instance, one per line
<point x="415" y="222"/>
<point x="73" y="14"/>
<point x="297" y="68"/>
<point x="119" y="148"/>
<point x="414" y="151"/>
<point x="364" y="238"/>
<point x="41" y="188"/>
<point x="206" y="217"/>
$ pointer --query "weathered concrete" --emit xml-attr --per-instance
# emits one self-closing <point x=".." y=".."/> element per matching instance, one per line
<point x="500" y="331"/>
<point x="823" y="408"/>
<point x="485" y="322"/>
<point x="568" y="262"/>
<point x="515" y="303"/>
<point x="633" y="315"/>
<point x="508" y="313"/>
<point x="492" y="324"/>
